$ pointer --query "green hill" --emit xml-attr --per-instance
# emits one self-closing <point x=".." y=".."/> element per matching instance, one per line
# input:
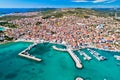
<point x="79" y="12"/>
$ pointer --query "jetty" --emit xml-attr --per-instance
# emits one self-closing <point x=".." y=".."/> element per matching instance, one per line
<point x="117" y="57"/>
<point x="97" y="55"/>
<point x="71" y="53"/>
<point x="75" y="58"/>
<point x="25" y="53"/>
<point x="86" y="57"/>
<point x="58" y="49"/>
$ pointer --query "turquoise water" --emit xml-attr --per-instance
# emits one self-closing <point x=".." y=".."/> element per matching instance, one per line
<point x="55" y="65"/>
<point x="2" y="29"/>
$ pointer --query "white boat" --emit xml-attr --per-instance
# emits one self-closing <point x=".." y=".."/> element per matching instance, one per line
<point x="97" y="55"/>
<point x="86" y="57"/>
<point x="117" y="57"/>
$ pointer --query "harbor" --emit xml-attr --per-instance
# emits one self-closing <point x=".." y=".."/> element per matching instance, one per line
<point x="25" y="53"/>
<point x="55" y="62"/>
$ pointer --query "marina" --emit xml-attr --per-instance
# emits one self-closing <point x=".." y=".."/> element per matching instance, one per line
<point x="54" y="62"/>
<point x="97" y="55"/>
<point x="85" y="56"/>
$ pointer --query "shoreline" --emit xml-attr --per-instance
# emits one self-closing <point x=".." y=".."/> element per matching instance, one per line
<point x="42" y="41"/>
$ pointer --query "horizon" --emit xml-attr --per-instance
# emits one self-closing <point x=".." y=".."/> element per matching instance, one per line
<point x="60" y="4"/>
<point x="59" y="7"/>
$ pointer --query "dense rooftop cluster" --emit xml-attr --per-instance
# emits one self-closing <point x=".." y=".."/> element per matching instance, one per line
<point x="94" y="31"/>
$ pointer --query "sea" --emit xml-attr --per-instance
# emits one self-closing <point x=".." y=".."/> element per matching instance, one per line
<point x="55" y="65"/>
<point x="4" y="11"/>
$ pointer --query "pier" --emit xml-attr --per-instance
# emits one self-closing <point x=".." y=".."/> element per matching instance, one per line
<point x="97" y="55"/>
<point x="25" y="54"/>
<point x="86" y="57"/>
<point x="75" y="58"/>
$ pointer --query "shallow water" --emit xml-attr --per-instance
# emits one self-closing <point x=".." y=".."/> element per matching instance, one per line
<point x="55" y="65"/>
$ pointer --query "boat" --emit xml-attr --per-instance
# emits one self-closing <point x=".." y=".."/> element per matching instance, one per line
<point x="117" y="57"/>
<point x="86" y="57"/>
<point x="97" y="55"/>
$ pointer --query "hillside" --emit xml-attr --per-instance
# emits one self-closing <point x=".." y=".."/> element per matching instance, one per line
<point x="79" y="12"/>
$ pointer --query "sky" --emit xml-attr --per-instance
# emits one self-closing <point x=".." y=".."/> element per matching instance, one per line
<point x="59" y="3"/>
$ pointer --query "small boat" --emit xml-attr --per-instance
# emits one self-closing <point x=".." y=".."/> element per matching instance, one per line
<point x="117" y="57"/>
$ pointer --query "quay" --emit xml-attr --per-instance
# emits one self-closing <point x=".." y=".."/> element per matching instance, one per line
<point x="97" y="55"/>
<point x="75" y="58"/>
<point x="86" y="57"/>
<point x="59" y="49"/>
<point x="117" y="57"/>
<point x="25" y="54"/>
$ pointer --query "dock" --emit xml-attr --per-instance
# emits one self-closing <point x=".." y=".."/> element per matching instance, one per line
<point x="97" y="55"/>
<point x="25" y="53"/>
<point x="86" y="57"/>
<point x="75" y="58"/>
